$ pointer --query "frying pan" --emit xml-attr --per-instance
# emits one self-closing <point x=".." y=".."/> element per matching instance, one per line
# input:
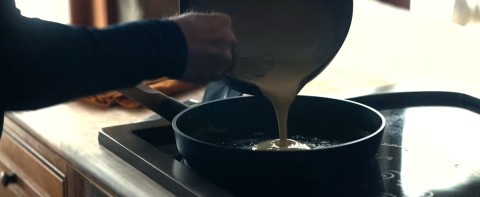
<point x="213" y="137"/>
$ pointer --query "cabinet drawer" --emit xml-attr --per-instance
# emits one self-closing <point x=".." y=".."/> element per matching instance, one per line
<point x="33" y="176"/>
<point x="17" y="187"/>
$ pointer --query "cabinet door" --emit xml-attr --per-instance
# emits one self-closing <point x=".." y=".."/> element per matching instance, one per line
<point x="80" y="185"/>
<point x="24" y="174"/>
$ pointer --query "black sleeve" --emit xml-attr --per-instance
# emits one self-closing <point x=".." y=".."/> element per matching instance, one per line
<point x="44" y="63"/>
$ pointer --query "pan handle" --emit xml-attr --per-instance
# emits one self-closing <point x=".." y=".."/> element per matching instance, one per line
<point x="154" y="100"/>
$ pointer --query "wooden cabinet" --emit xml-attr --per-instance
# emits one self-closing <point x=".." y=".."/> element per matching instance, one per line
<point x="29" y="168"/>
<point x="24" y="174"/>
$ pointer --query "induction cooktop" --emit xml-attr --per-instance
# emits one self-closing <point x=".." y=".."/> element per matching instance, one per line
<point x="429" y="148"/>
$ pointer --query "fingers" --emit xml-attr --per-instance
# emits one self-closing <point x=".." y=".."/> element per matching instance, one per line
<point x="222" y="19"/>
<point x="213" y="68"/>
<point x="227" y="45"/>
<point x="210" y="40"/>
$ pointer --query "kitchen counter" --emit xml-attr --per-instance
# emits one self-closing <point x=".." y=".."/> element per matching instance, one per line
<point x="385" y="46"/>
<point x="71" y="129"/>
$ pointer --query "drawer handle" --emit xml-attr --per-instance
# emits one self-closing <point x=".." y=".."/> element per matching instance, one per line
<point x="8" y="178"/>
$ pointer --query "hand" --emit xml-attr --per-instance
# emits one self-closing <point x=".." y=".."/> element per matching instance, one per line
<point x="210" y="41"/>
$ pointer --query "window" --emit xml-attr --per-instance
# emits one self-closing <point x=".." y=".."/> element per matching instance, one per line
<point x="51" y="10"/>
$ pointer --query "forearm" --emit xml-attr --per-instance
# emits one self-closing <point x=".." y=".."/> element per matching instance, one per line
<point x="49" y="63"/>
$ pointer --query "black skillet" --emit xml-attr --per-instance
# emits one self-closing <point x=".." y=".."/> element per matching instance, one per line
<point x="211" y="136"/>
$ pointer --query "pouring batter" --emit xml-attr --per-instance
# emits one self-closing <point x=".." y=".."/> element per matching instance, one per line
<point x="299" y="47"/>
<point x="281" y="88"/>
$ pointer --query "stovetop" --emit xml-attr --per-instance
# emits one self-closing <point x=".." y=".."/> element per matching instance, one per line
<point x="429" y="148"/>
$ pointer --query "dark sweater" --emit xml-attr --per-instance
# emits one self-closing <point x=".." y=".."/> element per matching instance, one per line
<point x="43" y="63"/>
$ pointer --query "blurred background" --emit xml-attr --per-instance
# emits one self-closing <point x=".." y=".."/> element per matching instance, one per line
<point x="98" y="13"/>
<point x="390" y="41"/>
<point x="103" y="12"/>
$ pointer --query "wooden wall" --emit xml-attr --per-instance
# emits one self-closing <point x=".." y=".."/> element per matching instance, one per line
<point x="400" y="3"/>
